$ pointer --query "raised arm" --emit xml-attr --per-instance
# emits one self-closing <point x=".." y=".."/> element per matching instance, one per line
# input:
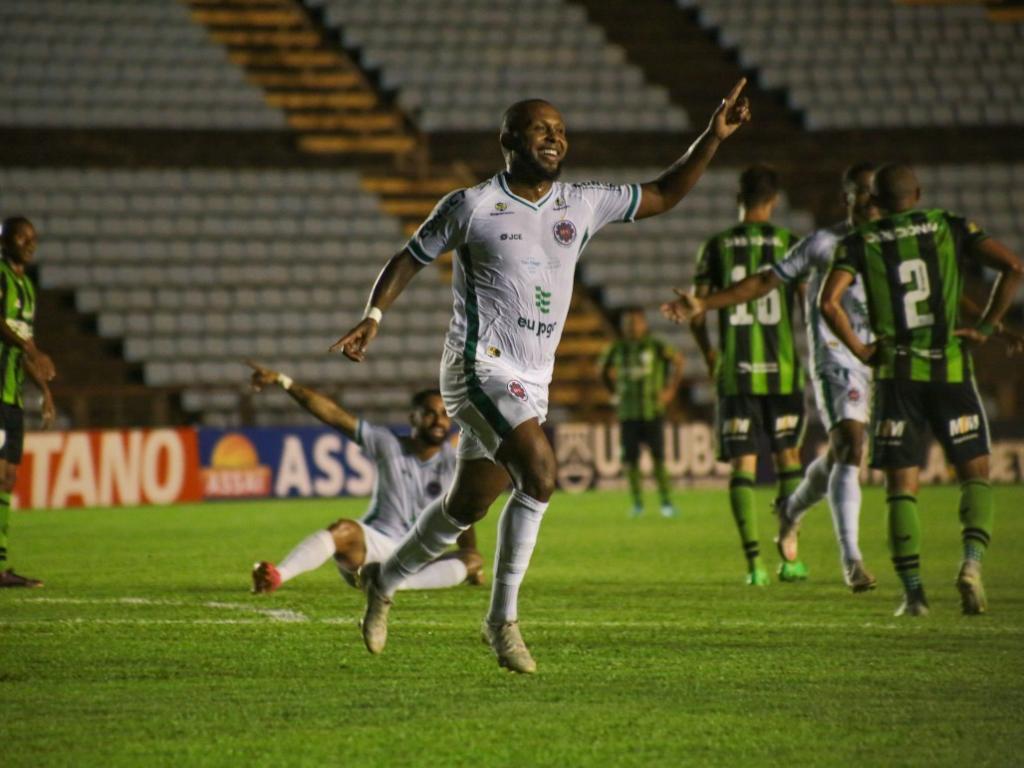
<point x="321" y="406"/>
<point x="400" y="269"/>
<point x="670" y="187"/>
<point x="830" y="302"/>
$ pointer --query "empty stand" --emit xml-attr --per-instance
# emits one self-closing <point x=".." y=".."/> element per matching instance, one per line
<point x="119" y="63"/>
<point x="878" y="63"/>
<point x="458" y="63"/>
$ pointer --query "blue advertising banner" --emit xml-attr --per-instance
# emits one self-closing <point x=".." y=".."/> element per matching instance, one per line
<point x="255" y="462"/>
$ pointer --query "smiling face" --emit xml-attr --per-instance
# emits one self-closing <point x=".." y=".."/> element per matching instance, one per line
<point x="18" y="240"/>
<point x="430" y="421"/>
<point x="533" y="140"/>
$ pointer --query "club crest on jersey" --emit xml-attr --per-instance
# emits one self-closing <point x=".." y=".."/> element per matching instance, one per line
<point x="854" y="395"/>
<point x="565" y="232"/>
<point x="517" y="390"/>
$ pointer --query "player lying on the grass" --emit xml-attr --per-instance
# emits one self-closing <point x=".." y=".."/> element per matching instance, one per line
<point x="758" y="377"/>
<point x="411" y="472"/>
<point x="18" y="355"/>
<point x="841" y="382"/>
<point x="517" y="238"/>
<point x="644" y="374"/>
<point x="912" y="265"/>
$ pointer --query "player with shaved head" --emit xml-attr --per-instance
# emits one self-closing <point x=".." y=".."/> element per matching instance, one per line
<point x="911" y="262"/>
<point x="517" y="238"/>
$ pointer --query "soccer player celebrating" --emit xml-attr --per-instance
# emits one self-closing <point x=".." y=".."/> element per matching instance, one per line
<point x="18" y="354"/>
<point x="411" y="473"/>
<point x="841" y="382"/>
<point x="517" y="238"/>
<point x="911" y="262"/>
<point x="757" y="373"/>
<point x="644" y="373"/>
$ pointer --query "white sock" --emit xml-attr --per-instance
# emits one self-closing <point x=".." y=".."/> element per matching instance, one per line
<point x="517" y="536"/>
<point x="439" y="574"/>
<point x="309" y="554"/>
<point x="844" y="501"/>
<point x="811" y="489"/>
<point x="433" y="533"/>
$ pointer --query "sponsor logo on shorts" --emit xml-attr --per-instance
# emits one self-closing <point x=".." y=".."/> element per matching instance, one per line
<point x="787" y="424"/>
<point x="854" y="395"/>
<point x="890" y="428"/>
<point x="564" y="232"/>
<point x="539" y="327"/>
<point x="965" y="426"/>
<point x="736" y="427"/>
<point x="517" y="390"/>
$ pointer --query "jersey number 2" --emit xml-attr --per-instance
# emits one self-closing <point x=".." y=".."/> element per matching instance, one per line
<point x="768" y="308"/>
<point x="914" y="273"/>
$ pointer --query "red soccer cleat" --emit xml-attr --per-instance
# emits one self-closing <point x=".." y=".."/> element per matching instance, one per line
<point x="265" y="578"/>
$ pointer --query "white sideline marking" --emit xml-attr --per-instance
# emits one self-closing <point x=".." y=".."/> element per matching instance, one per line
<point x="275" y="614"/>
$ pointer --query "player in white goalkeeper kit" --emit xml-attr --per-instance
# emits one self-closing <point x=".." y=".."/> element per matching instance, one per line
<point x="517" y="238"/>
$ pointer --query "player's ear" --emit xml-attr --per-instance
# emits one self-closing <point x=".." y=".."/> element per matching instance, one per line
<point x="509" y="140"/>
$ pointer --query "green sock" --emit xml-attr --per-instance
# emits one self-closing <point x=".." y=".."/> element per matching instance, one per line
<point x="741" y="499"/>
<point x="976" y="516"/>
<point x="635" y="487"/>
<point x="5" y="516"/>
<point x="664" y="484"/>
<point x="905" y="539"/>
<point x="789" y="479"/>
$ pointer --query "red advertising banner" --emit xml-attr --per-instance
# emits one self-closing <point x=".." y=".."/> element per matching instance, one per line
<point x="108" y="468"/>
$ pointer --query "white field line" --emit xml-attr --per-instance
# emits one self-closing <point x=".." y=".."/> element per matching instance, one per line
<point x="975" y="627"/>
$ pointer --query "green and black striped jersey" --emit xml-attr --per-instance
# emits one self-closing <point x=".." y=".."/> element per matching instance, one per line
<point x="18" y="297"/>
<point x="641" y="371"/>
<point x="757" y="353"/>
<point x="912" y="265"/>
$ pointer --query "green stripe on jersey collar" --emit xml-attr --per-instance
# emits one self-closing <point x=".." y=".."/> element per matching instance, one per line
<point x="532" y="206"/>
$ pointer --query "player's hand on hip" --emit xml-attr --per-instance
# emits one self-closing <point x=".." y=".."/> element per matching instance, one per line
<point x="261" y="376"/>
<point x="972" y="335"/>
<point x="733" y="112"/>
<point x="355" y="343"/>
<point x="683" y="309"/>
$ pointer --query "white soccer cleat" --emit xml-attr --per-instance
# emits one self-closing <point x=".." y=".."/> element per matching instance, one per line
<point x="507" y="643"/>
<point x="858" y="578"/>
<point x="972" y="592"/>
<point x="374" y="624"/>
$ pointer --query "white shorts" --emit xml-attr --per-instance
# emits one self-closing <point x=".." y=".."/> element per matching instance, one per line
<point x="378" y="548"/>
<point x="842" y="393"/>
<point x="487" y="402"/>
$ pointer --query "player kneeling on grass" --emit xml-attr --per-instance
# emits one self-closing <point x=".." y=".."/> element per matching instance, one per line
<point x="912" y="264"/>
<point x="411" y="473"/>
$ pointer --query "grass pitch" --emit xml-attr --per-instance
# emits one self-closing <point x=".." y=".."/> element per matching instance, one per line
<point x="145" y="648"/>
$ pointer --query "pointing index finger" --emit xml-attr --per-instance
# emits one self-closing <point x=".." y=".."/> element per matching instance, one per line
<point x="736" y="90"/>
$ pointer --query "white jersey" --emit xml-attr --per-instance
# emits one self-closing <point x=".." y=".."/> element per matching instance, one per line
<point x="810" y="260"/>
<point x="404" y="485"/>
<point x="514" y="265"/>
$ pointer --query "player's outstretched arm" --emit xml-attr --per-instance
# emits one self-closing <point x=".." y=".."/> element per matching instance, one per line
<point x="749" y="288"/>
<point x="400" y="269"/>
<point x="321" y="406"/>
<point x="699" y="329"/>
<point x="830" y="302"/>
<point x="665" y="192"/>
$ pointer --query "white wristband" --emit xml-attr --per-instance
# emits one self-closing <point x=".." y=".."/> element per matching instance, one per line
<point x="285" y="381"/>
<point x="373" y="313"/>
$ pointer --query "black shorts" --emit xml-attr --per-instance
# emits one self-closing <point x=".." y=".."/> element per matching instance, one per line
<point x="12" y="433"/>
<point x="740" y="419"/>
<point x="637" y="432"/>
<point x="901" y="409"/>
